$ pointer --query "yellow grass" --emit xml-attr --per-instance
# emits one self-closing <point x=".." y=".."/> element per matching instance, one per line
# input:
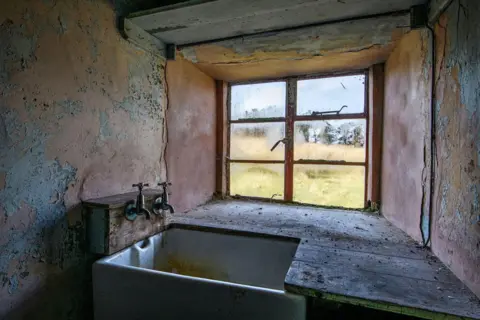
<point x="259" y="148"/>
<point x="314" y="184"/>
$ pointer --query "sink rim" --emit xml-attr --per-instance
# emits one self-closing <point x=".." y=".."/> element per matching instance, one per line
<point x="105" y="263"/>
<point x="229" y="231"/>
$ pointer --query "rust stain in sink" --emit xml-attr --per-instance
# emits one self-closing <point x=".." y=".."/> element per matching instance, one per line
<point x="193" y="269"/>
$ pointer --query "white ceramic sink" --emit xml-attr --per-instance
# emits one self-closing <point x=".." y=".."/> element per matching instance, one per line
<point x="186" y="274"/>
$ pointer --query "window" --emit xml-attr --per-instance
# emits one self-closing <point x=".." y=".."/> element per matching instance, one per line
<point x="301" y="140"/>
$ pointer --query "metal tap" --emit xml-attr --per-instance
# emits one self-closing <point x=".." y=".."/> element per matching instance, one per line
<point x="137" y="208"/>
<point x="161" y="203"/>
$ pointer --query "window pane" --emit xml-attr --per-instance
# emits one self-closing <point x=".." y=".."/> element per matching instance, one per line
<point x="254" y="140"/>
<point x="330" y="140"/>
<point x="342" y="186"/>
<point x="330" y="94"/>
<point x="263" y="100"/>
<point x="257" y="180"/>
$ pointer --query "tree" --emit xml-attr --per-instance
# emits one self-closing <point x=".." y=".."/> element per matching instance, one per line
<point x="329" y="136"/>
<point x="304" y="128"/>
<point x="358" y="136"/>
<point x="343" y="133"/>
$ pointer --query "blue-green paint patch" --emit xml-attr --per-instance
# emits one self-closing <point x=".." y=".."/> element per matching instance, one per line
<point x="140" y="103"/>
<point x="12" y="284"/>
<point x="425" y="225"/>
<point x="474" y="189"/>
<point x="122" y="136"/>
<point x="70" y="107"/>
<point x="34" y="180"/>
<point x="443" y="203"/>
<point x="30" y="177"/>
<point x="105" y="130"/>
<point x="466" y="53"/>
<point x="458" y="214"/>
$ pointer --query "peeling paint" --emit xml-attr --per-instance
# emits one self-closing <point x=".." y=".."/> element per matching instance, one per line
<point x="351" y="36"/>
<point x="105" y="130"/>
<point x="140" y="103"/>
<point x="15" y="55"/>
<point x="30" y="177"/>
<point x="346" y="45"/>
<point x="456" y="238"/>
<point x="12" y="284"/>
<point x="63" y="70"/>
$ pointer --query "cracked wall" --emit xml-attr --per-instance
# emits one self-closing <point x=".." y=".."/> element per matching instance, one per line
<point x="456" y="216"/>
<point x="82" y="115"/>
<point x="406" y="134"/>
<point x="455" y="219"/>
<point x="343" y="46"/>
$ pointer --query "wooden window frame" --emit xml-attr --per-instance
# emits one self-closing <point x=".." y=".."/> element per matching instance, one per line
<point x="289" y="120"/>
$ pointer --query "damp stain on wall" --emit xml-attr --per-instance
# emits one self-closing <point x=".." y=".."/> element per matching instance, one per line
<point x="81" y="115"/>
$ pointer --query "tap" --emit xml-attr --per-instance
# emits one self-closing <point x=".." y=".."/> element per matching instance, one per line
<point x="161" y="203"/>
<point x="140" y="204"/>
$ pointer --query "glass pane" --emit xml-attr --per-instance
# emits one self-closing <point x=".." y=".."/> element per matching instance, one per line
<point x="253" y="141"/>
<point x="330" y="94"/>
<point x="257" y="180"/>
<point x="330" y="140"/>
<point x="263" y="100"/>
<point x="342" y="186"/>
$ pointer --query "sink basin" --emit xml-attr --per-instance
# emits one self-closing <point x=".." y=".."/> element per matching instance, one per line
<point x="210" y="274"/>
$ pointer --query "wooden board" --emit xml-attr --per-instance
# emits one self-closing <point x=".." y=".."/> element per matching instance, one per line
<point x="109" y="231"/>
<point x="119" y="200"/>
<point x="398" y="293"/>
<point x="212" y="20"/>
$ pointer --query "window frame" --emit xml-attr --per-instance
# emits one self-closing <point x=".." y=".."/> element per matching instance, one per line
<point x="289" y="120"/>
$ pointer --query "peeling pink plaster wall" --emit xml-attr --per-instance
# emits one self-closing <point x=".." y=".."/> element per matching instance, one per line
<point x="455" y="220"/>
<point x="406" y="136"/>
<point x="82" y="115"/>
<point x="456" y="216"/>
<point x="191" y="130"/>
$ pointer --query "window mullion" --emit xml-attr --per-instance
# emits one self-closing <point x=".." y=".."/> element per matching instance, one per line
<point x="290" y="112"/>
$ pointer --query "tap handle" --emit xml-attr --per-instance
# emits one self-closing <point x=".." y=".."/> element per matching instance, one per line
<point x="140" y="185"/>
<point x="164" y="184"/>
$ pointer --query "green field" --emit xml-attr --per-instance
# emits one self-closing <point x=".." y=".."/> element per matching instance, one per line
<point x="314" y="184"/>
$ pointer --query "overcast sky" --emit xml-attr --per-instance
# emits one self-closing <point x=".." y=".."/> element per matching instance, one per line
<point x="327" y="94"/>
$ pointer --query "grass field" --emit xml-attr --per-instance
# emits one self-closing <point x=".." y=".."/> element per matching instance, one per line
<point x="315" y="184"/>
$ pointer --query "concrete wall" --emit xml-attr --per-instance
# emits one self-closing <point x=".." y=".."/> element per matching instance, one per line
<point x="456" y="217"/>
<point x="406" y="135"/>
<point x="191" y="120"/>
<point x="81" y="116"/>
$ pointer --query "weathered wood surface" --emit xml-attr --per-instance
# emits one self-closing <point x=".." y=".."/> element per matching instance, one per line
<point x="214" y="20"/>
<point x="119" y="200"/>
<point x="350" y="257"/>
<point x="116" y="231"/>
<point x="328" y="39"/>
<point x="122" y="233"/>
<point x="143" y="39"/>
